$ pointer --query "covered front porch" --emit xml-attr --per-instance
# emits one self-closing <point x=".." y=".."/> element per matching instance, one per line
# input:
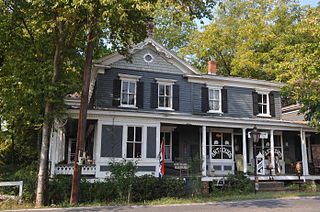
<point x="219" y="151"/>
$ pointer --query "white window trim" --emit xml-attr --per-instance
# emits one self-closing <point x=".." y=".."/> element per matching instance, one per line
<point x="132" y="79"/>
<point x="220" y="99"/>
<point x="268" y="104"/>
<point x="168" y="129"/>
<point x="126" y="141"/>
<point x="211" y="145"/>
<point x="166" y="82"/>
<point x="69" y="148"/>
<point x="144" y="57"/>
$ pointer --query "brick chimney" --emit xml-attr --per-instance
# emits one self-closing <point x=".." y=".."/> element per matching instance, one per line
<point x="212" y="67"/>
<point x="149" y="27"/>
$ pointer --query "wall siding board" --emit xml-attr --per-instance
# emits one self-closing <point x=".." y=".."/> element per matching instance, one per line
<point x="111" y="141"/>
<point x="240" y="103"/>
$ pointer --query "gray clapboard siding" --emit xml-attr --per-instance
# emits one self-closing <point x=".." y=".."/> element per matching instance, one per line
<point x="139" y="168"/>
<point x="158" y="64"/>
<point x="239" y="99"/>
<point x="111" y="141"/>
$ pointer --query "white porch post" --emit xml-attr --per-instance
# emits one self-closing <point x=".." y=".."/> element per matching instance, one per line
<point x="272" y="152"/>
<point x="304" y="153"/>
<point x="204" y="154"/>
<point x="244" y="150"/>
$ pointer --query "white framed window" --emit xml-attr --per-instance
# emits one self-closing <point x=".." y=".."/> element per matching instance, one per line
<point x="128" y="91"/>
<point x="214" y="98"/>
<point x="221" y="146"/>
<point x="134" y="142"/>
<point x="263" y="104"/>
<point x="165" y="93"/>
<point x="167" y="136"/>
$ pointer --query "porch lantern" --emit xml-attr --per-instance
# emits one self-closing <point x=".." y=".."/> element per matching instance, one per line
<point x="255" y="135"/>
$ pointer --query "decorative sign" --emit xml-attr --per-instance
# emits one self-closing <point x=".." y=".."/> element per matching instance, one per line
<point x="263" y="135"/>
<point x="222" y="150"/>
<point x="276" y="152"/>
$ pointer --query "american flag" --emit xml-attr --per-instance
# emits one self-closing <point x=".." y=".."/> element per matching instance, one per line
<point x="161" y="159"/>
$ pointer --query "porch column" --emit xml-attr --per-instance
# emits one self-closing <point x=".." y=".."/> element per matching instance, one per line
<point x="272" y="152"/>
<point x="244" y="150"/>
<point x="304" y="153"/>
<point x="204" y="149"/>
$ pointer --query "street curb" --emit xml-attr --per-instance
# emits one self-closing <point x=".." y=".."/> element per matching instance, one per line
<point x="163" y="205"/>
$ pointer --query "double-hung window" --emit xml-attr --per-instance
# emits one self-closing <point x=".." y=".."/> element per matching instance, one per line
<point x="263" y="104"/>
<point x="128" y="95"/>
<point x="214" y="100"/>
<point x="134" y="142"/>
<point x="165" y="93"/>
<point x="167" y="137"/>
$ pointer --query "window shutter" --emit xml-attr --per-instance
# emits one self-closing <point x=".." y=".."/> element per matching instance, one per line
<point x="154" y="95"/>
<point x="175" y="99"/>
<point x="116" y="92"/>
<point x="204" y="99"/>
<point x="224" y="94"/>
<point x="272" y="105"/>
<point x="140" y="94"/>
<point x="255" y="103"/>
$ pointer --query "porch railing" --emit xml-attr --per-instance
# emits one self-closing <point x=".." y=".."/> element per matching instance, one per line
<point x="67" y="169"/>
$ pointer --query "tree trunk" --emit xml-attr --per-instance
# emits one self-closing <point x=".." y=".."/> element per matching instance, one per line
<point x="74" y="197"/>
<point x="47" y="124"/>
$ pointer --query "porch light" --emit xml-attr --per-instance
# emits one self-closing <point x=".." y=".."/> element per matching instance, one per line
<point x="255" y="134"/>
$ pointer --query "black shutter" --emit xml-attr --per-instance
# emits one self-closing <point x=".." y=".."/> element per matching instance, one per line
<point x="255" y="103"/>
<point x="204" y="99"/>
<point x="224" y="94"/>
<point x="154" y="95"/>
<point x="140" y="94"/>
<point x="176" y="100"/>
<point x="116" y="92"/>
<point x="272" y="105"/>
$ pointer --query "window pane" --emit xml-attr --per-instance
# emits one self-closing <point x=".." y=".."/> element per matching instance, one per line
<point x="216" y="94"/>
<point x="216" y="105"/>
<point x="138" y="134"/>
<point x="167" y="139"/>
<point x="161" y="101"/>
<point x="264" y="98"/>
<point x="137" y="150"/>
<point x="161" y="136"/>
<point x="129" y="150"/>
<point x="211" y="105"/>
<point x="216" y="138"/>
<point x="210" y="94"/>
<point x="168" y="90"/>
<point x="124" y="86"/>
<point x="124" y="99"/>
<point x="264" y="109"/>
<point x="161" y="90"/>
<point x="227" y="139"/>
<point x="167" y="102"/>
<point x="167" y="152"/>
<point x="216" y="152"/>
<point x="131" y="99"/>
<point x="132" y="87"/>
<point x="130" y="133"/>
<point x="226" y="153"/>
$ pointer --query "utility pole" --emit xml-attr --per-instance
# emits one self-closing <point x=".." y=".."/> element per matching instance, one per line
<point x="74" y="197"/>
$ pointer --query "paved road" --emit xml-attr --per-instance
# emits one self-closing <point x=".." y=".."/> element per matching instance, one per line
<point x="306" y="204"/>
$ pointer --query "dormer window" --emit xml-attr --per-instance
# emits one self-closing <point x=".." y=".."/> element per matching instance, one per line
<point x="263" y="103"/>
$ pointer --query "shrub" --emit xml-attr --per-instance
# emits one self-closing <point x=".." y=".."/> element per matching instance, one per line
<point x="59" y="189"/>
<point x="238" y="183"/>
<point x="97" y="191"/>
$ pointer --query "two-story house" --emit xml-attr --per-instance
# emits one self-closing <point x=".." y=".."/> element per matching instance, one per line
<point x="134" y="105"/>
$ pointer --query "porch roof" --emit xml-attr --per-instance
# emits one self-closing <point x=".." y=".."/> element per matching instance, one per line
<point x="197" y="119"/>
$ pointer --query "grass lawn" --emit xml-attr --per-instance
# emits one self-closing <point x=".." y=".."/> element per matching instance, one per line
<point x="10" y="204"/>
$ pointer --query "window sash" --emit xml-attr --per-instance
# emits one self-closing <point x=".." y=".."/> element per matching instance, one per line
<point x="134" y="142"/>
<point x="164" y="95"/>
<point x="128" y="93"/>
<point x="220" y="142"/>
<point x="214" y="100"/>
<point x="263" y="104"/>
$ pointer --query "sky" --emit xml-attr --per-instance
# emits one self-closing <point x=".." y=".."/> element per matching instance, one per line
<point x="310" y="2"/>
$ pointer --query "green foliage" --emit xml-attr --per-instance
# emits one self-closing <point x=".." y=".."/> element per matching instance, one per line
<point x="122" y="175"/>
<point x="238" y="183"/>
